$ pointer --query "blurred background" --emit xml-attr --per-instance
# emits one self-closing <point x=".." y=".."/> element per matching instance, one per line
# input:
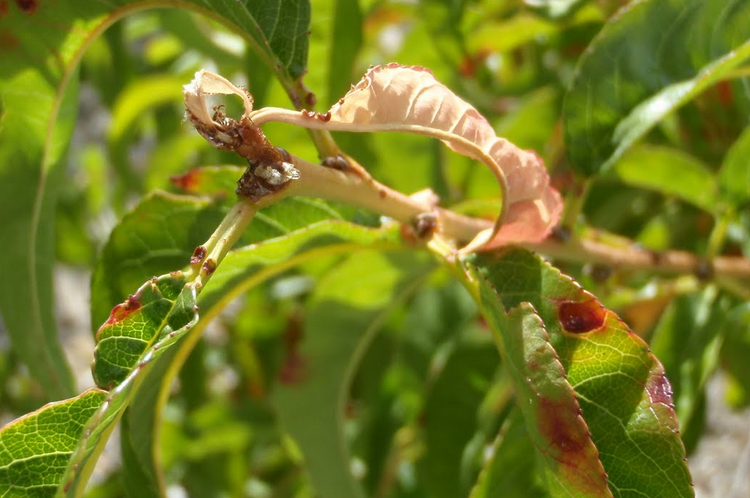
<point x="513" y="60"/>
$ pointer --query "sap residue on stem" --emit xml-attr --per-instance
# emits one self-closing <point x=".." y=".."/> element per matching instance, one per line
<point x="580" y="317"/>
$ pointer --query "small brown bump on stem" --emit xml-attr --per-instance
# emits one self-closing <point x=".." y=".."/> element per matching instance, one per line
<point x="28" y="6"/>
<point x="704" y="270"/>
<point x="338" y="162"/>
<point x="324" y="117"/>
<point x="382" y="193"/>
<point x="425" y="224"/>
<point x="655" y="256"/>
<point x="209" y="266"/>
<point x="561" y="233"/>
<point x="600" y="273"/>
<point x="198" y="255"/>
<point x="285" y="155"/>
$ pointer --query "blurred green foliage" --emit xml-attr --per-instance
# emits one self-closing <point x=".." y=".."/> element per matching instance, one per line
<point x="413" y="400"/>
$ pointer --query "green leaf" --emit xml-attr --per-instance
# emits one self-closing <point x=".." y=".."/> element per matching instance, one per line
<point x="510" y="472"/>
<point x="160" y="307"/>
<point x="239" y="271"/>
<point x="158" y="236"/>
<point x="443" y="20"/>
<point x="130" y="107"/>
<point x="734" y="354"/>
<point x="453" y="401"/>
<point x="554" y="337"/>
<point x="517" y="31"/>
<point x="570" y="462"/>
<point x="347" y="41"/>
<point x="38" y="91"/>
<point x="35" y="449"/>
<point x="734" y="176"/>
<point x="338" y="328"/>
<point x="636" y="72"/>
<point x="31" y="149"/>
<point x="688" y="340"/>
<point x="216" y="181"/>
<point x="176" y="321"/>
<point x="670" y="172"/>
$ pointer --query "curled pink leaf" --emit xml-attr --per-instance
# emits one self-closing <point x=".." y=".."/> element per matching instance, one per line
<point x="393" y="97"/>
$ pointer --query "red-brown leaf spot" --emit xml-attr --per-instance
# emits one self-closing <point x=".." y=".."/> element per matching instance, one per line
<point x="122" y="311"/>
<point x="188" y="181"/>
<point x="3" y="7"/>
<point x="7" y="42"/>
<point x="294" y="370"/>
<point x="660" y="390"/>
<point x="561" y="425"/>
<point x="28" y="6"/>
<point x="580" y="317"/>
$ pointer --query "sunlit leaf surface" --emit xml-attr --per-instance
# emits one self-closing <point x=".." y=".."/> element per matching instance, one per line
<point x="557" y="337"/>
<point x="35" y="449"/>
<point x="41" y="45"/>
<point x="636" y="72"/>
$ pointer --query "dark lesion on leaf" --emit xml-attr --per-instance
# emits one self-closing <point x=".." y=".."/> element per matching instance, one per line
<point x="28" y="7"/>
<point x="659" y="389"/>
<point x="121" y="311"/>
<point x="580" y="317"/>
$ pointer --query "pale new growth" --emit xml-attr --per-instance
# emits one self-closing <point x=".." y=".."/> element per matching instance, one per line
<point x="207" y="83"/>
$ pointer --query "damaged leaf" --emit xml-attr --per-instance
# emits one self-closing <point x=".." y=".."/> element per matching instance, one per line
<point x="592" y="393"/>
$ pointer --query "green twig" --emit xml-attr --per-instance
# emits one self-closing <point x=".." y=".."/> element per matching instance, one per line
<point x="574" y="202"/>
<point x="222" y="240"/>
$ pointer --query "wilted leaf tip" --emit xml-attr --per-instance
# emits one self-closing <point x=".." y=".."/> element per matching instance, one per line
<point x="409" y="98"/>
<point x="215" y="126"/>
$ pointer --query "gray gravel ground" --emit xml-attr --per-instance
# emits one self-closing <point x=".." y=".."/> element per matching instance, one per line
<point x="721" y="463"/>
